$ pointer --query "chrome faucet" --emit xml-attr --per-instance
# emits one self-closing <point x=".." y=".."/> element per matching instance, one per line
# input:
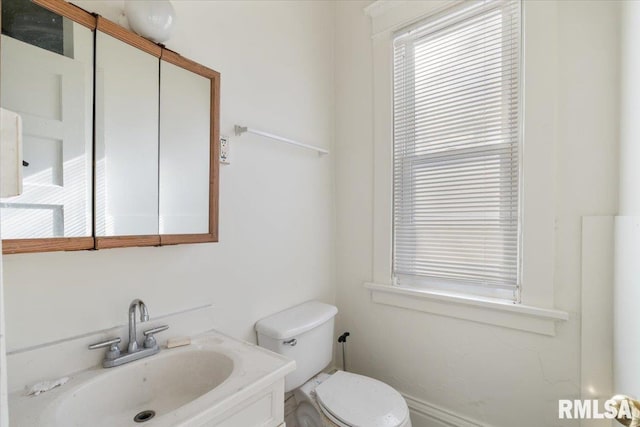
<point x="144" y="316"/>
<point x="150" y="346"/>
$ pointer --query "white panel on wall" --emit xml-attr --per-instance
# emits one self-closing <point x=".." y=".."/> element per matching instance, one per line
<point x="4" y="406"/>
<point x="626" y="314"/>
<point x="596" y="350"/>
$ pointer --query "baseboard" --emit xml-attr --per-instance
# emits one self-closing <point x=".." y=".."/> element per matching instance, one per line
<point x="437" y="415"/>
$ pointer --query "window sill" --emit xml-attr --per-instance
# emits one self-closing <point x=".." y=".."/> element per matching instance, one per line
<point x="483" y="310"/>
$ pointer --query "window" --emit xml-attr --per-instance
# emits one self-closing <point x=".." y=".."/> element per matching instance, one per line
<point x="457" y="145"/>
<point x="31" y="23"/>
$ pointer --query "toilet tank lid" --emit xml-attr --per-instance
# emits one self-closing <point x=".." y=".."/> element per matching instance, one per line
<point x="296" y="320"/>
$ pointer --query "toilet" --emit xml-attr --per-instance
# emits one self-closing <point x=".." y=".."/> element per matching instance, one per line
<point x="304" y="333"/>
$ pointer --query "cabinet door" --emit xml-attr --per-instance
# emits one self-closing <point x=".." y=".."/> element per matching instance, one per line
<point x="126" y="164"/>
<point x="185" y="144"/>
<point x="47" y="79"/>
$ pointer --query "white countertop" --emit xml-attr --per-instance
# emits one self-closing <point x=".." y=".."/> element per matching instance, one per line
<point x="254" y="368"/>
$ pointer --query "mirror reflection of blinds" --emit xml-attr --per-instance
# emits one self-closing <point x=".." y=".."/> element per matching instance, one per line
<point x="456" y="150"/>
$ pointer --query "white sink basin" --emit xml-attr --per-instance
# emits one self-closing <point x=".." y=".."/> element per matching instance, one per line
<point x="161" y="384"/>
<point x="184" y="386"/>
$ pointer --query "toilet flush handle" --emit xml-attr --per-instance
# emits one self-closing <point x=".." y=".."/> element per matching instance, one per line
<point x="291" y="342"/>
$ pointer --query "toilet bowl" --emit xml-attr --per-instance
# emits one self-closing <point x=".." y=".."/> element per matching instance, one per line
<point x="344" y="399"/>
<point x="305" y="334"/>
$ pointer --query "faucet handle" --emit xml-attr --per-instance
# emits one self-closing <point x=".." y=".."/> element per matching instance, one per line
<point x="150" y="340"/>
<point x="108" y="343"/>
<point x="155" y="330"/>
<point x="114" y="350"/>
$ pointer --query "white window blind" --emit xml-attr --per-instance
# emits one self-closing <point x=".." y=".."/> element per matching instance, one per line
<point x="456" y="150"/>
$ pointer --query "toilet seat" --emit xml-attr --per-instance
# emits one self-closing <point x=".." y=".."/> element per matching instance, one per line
<point x="352" y="400"/>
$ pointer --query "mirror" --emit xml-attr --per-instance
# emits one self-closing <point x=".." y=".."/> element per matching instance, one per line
<point x="47" y="78"/>
<point x="127" y="111"/>
<point x="137" y="166"/>
<point x="185" y="134"/>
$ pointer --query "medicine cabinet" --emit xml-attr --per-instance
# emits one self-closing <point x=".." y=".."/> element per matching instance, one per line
<point x="119" y="134"/>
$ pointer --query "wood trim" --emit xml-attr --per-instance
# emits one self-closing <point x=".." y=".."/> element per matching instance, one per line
<point x="19" y="246"/>
<point x="70" y="11"/>
<point x="175" y="239"/>
<point x="179" y="60"/>
<point x="214" y="151"/>
<point x="109" y="242"/>
<point x="214" y="171"/>
<point x="122" y="34"/>
<point x="76" y="14"/>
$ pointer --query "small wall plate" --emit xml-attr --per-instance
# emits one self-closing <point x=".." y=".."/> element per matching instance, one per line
<point x="225" y="150"/>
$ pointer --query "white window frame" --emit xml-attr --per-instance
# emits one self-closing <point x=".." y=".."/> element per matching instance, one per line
<point x="535" y="312"/>
<point x="508" y="291"/>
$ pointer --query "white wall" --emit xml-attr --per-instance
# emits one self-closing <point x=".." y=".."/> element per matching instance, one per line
<point x="276" y="201"/>
<point x="277" y="64"/>
<point x="627" y="281"/>
<point x="629" y="108"/>
<point x="495" y="376"/>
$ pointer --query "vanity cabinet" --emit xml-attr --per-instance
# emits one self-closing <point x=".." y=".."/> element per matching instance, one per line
<point x="264" y="408"/>
<point x="120" y="136"/>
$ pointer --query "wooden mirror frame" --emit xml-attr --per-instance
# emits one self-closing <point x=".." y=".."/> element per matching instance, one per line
<point x="15" y="246"/>
<point x="214" y="150"/>
<point x="98" y="23"/>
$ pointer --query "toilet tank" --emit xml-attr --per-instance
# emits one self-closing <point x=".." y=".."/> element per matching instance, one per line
<point x="303" y="333"/>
